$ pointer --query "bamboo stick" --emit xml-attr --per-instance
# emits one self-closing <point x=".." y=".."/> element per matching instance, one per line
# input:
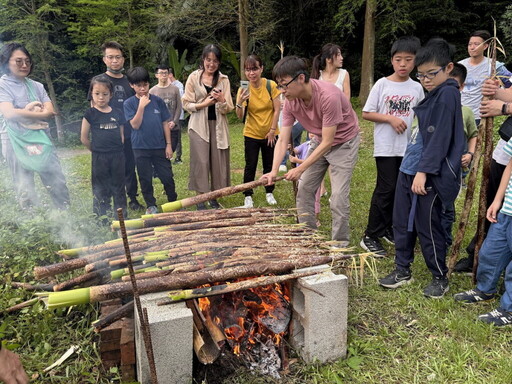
<point x="182" y="280"/>
<point x="196" y="293"/>
<point x="223" y="192"/>
<point x="111" y="318"/>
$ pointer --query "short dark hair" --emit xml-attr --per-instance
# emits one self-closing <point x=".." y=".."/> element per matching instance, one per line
<point x="102" y="79"/>
<point x="137" y="75"/>
<point x="407" y="44"/>
<point x="460" y="72"/>
<point x="290" y="66"/>
<point x="112" y="45"/>
<point x="6" y="53"/>
<point x="162" y="66"/>
<point x="171" y="70"/>
<point x="482" y="33"/>
<point x="436" y="51"/>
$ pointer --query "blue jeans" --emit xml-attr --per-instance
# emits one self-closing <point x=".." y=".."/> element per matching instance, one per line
<point x="494" y="257"/>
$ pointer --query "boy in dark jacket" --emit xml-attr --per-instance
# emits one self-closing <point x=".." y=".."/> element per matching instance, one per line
<point x="430" y="174"/>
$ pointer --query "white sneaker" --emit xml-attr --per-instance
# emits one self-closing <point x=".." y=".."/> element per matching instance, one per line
<point x="282" y="168"/>
<point x="271" y="199"/>
<point x="248" y="202"/>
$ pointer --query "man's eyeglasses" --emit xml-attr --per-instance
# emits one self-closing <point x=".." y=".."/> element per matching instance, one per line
<point x="429" y="75"/>
<point x="163" y="73"/>
<point x="20" y="62"/>
<point x="112" y="57"/>
<point x="284" y="86"/>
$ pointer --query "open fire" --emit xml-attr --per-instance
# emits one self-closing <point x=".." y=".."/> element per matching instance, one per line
<point x="254" y="321"/>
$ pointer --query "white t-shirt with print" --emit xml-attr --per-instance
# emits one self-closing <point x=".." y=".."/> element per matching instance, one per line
<point x="393" y="98"/>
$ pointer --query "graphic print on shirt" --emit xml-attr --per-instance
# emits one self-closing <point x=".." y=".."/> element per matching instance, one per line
<point x="399" y="105"/>
<point x="119" y="93"/>
<point x="112" y="125"/>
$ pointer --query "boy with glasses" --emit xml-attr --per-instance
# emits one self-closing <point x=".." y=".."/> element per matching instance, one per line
<point x="325" y="111"/>
<point x="430" y="173"/>
<point x="170" y="94"/>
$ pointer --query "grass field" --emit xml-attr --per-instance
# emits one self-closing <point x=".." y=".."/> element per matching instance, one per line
<point x="394" y="336"/>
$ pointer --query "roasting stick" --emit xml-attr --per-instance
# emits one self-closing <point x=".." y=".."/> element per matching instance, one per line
<point x="143" y="316"/>
<point x="203" y="198"/>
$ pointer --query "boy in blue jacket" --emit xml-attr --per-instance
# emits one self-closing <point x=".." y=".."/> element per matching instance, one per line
<point x="430" y="174"/>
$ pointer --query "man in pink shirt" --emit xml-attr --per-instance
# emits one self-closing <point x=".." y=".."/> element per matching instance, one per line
<point x="324" y="110"/>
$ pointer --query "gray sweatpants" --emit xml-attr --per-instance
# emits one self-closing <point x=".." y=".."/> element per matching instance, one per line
<point x="342" y="158"/>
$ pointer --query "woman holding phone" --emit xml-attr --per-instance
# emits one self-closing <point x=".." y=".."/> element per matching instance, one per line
<point x="258" y="105"/>
<point x="208" y="99"/>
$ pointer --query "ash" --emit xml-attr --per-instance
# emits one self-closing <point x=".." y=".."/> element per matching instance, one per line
<point x="267" y="359"/>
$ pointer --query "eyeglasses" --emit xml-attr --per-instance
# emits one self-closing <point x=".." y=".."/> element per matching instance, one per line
<point x="284" y="86"/>
<point x="163" y="73"/>
<point x="253" y="69"/>
<point x="117" y="57"/>
<point x="20" y="62"/>
<point x="429" y="75"/>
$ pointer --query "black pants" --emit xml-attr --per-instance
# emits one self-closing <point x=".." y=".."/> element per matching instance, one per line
<point x="252" y="152"/>
<point x="426" y="226"/>
<point x="146" y="160"/>
<point x="108" y="177"/>
<point x="130" y="178"/>
<point x="380" y="217"/>
<point x="495" y="174"/>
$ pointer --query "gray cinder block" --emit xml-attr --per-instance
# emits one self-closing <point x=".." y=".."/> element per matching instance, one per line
<point x="171" y="333"/>
<point x="319" y="326"/>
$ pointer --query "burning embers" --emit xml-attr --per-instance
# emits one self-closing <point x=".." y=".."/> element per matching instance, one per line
<point x="254" y="322"/>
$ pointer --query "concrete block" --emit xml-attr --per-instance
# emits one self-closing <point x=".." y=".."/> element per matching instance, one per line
<point x="171" y="334"/>
<point x="319" y="326"/>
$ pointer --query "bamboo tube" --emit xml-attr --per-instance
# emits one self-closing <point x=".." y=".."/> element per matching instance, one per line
<point x="181" y="281"/>
<point x="196" y="293"/>
<point x="111" y="318"/>
<point x="191" y="201"/>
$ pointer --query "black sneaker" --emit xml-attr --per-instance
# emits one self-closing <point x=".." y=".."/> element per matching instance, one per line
<point x="437" y="288"/>
<point x="464" y="265"/>
<point x="473" y="296"/>
<point x="396" y="278"/>
<point x="178" y="161"/>
<point x="214" y="204"/>
<point x="201" y="207"/>
<point x="497" y="317"/>
<point x="135" y="205"/>
<point x="389" y="236"/>
<point x="373" y="245"/>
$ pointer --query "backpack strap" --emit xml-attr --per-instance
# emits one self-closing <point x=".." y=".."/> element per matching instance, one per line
<point x="269" y="90"/>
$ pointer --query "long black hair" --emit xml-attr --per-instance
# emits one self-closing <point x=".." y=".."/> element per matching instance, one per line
<point x="320" y="61"/>
<point x="6" y="53"/>
<point x="211" y="48"/>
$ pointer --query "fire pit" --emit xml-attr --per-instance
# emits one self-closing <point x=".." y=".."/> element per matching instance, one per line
<point x="317" y="328"/>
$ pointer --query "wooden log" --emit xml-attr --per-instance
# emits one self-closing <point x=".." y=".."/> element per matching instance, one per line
<point x="71" y="283"/>
<point x="223" y="192"/>
<point x="123" y="311"/>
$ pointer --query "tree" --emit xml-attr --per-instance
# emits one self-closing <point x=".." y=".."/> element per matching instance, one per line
<point x="227" y="23"/>
<point x="32" y="22"/>
<point x="383" y="19"/>
<point x="129" y="22"/>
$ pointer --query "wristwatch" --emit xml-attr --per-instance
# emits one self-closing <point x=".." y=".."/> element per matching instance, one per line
<point x="504" y="109"/>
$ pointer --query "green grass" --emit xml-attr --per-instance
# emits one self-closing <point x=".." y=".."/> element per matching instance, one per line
<point x="394" y="336"/>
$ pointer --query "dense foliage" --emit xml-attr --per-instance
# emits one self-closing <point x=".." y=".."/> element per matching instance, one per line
<point x="64" y="36"/>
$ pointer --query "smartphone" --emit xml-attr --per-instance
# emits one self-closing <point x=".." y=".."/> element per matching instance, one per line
<point x="244" y="84"/>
